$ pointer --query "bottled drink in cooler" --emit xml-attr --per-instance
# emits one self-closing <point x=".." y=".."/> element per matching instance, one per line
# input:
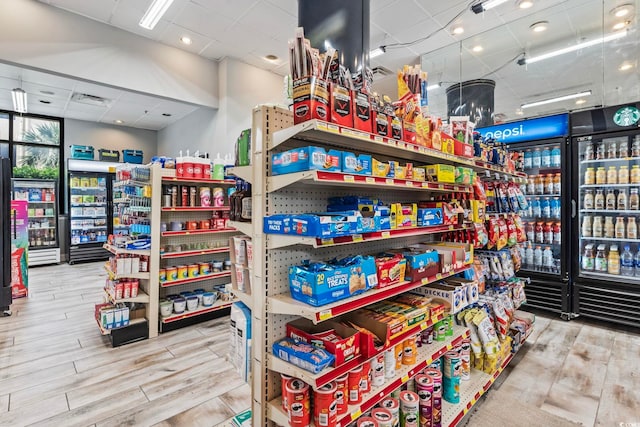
<point x="614" y="260"/>
<point x="545" y="207"/>
<point x="632" y="228"/>
<point x="555" y="207"/>
<point x="636" y="263"/>
<point x="623" y="149"/>
<point x="548" y="184"/>
<point x="601" y="260"/>
<point x="537" y="258"/>
<point x="623" y="175"/>
<point x="612" y="175"/>
<point x="598" y="200"/>
<point x="557" y="183"/>
<point x="586" y="226"/>
<point x="626" y="262"/>
<point x="527" y="159"/>
<point x="547" y="259"/>
<point x="620" y="228"/>
<point x="588" y="261"/>
<point x="609" y="228"/>
<point x="539" y="182"/>
<point x="588" y="201"/>
<point x="555" y="157"/>
<point x="634" y="199"/>
<point x="535" y="158"/>
<point x="622" y="199"/>
<point x="610" y="202"/>
<point x="529" y="257"/>
<point x="548" y="233"/>
<point x="530" y="230"/>
<point x="612" y="152"/>
<point x="557" y="233"/>
<point x="545" y="158"/>
<point x="535" y="208"/>
<point x="539" y="231"/>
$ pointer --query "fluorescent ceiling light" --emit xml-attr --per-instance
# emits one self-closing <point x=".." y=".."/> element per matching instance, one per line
<point x="433" y="86"/>
<point x="19" y="98"/>
<point x="557" y="99"/>
<point x="519" y="112"/>
<point x="625" y="66"/>
<point x="594" y="42"/>
<point x="154" y="13"/>
<point x="581" y="101"/>
<point x="377" y="52"/>
<point x="490" y="4"/>
<point x="622" y="10"/>
<point x="186" y="40"/>
<point x="477" y="48"/>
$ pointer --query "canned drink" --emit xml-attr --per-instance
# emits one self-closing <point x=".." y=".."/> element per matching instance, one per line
<point x="377" y="370"/>
<point x="392" y="405"/>
<point x="299" y="403"/>
<point x="465" y="359"/>
<point x="409" y="351"/>
<point x="342" y="385"/>
<point x="383" y="417"/>
<point x="424" y="384"/>
<point x="184" y="195"/>
<point x="436" y="375"/>
<point x="409" y="409"/>
<point x="325" y="409"/>
<point x="283" y="382"/>
<point x="365" y="382"/>
<point x="451" y="365"/>
<point x="390" y="363"/>
<point x="353" y="384"/>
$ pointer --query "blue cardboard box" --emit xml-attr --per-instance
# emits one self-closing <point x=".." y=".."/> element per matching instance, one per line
<point x="421" y="265"/>
<point x="306" y="158"/>
<point x="429" y="216"/>
<point x="332" y="284"/>
<point x="322" y="225"/>
<point x="359" y="165"/>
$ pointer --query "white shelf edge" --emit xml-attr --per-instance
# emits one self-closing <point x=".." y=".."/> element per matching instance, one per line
<point x="245" y="173"/>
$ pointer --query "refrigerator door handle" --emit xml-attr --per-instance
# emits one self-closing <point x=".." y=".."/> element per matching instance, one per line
<point x="573" y="208"/>
<point x="14" y="229"/>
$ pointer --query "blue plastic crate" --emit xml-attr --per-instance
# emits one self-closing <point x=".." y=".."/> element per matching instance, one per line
<point x="132" y="156"/>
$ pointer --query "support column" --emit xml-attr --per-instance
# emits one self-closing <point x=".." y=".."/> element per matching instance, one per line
<point x="473" y="98"/>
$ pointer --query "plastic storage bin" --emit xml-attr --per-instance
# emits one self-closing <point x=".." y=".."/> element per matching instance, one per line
<point x="132" y="156"/>
<point x="84" y="152"/>
<point x="109" y="155"/>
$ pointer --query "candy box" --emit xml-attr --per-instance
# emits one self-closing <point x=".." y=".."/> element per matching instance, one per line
<point x="396" y="128"/>
<point x="462" y="149"/>
<point x="381" y="125"/>
<point x="359" y="165"/>
<point x="341" y="105"/>
<point x="332" y="283"/>
<point x="478" y="210"/>
<point x="362" y="116"/>
<point x="463" y="175"/>
<point x="429" y="216"/>
<point x="441" y="173"/>
<point x="451" y="214"/>
<point x="306" y="158"/>
<point x="409" y="131"/>
<point x="404" y="215"/>
<point x="448" y="145"/>
<point x="419" y="174"/>
<point x="380" y="169"/>
<point x="421" y="264"/>
<point x="310" y="99"/>
<point x="323" y="225"/>
<point x="340" y="340"/>
<point x="350" y="203"/>
<point x="390" y="269"/>
<point x="302" y="355"/>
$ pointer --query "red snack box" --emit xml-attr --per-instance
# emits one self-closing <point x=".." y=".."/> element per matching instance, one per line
<point x="310" y="99"/>
<point x="341" y="106"/>
<point x="462" y="149"/>
<point x="362" y="116"/>
<point x="409" y="132"/>
<point x="390" y="269"/>
<point x="396" y="128"/>
<point x="344" y="348"/>
<point x="381" y="124"/>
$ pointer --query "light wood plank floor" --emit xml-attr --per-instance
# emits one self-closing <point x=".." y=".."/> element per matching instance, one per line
<point x="57" y="370"/>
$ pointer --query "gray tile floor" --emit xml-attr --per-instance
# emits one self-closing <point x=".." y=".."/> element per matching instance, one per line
<point x="56" y="370"/>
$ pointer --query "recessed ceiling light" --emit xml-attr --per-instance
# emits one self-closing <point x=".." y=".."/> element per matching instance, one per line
<point x="271" y="57"/>
<point x="581" y="101"/>
<point x="621" y="25"/>
<point x="185" y="40"/>
<point x="47" y="92"/>
<point x="44" y="101"/>
<point x="477" y="48"/>
<point x="622" y="10"/>
<point x="540" y="26"/>
<point x="118" y="122"/>
<point x="457" y="29"/>
<point x="525" y="4"/>
<point x="519" y="112"/>
<point x="166" y="114"/>
<point x="625" y="66"/>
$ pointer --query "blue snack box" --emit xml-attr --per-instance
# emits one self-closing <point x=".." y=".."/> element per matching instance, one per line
<point x="322" y="225"/>
<point x="333" y="284"/>
<point x="306" y="158"/>
<point x="359" y="165"/>
<point x="302" y="355"/>
<point x="429" y="216"/>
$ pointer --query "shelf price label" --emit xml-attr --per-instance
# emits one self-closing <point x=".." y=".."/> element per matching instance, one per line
<point x="357" y="238"/>
<point x="386" y="234"/>
<point x="324" y="315"/>
<point x="405" y="378"/>
<point x="370" y="180"/>
<point x="389" y="181"/>
<point x="356" y="415"/>
<point x="438" y="276"/>
<point x="425" y="185"/>
<point x="408" y="183"/>
<point x="333" y="128"/>
<point x="326" y="242"/>
<point x="440" y="187"/>
<point x="349" y="178"/>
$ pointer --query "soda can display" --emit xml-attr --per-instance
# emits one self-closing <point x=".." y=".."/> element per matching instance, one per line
<point x="342" y="386"/>
<point x="383" y="417"/>
<point x="451" y="389"/>
<point x="283" y="382"/>
<point x="377" y="370"/>
<point x="436" y="375"/>
<point x="451" y="365"/>
<point x="424" y="386"/>
<point x="465" y="359"/>
<point x="409" y="409"/>
<point x="366" y="422"/>
<point x="365" y="382"/>
<point x="353" y="384"/>
<point x="299" y="402"/>
<point x="392" y="405"/>
<point x="325" y="410"/>
<point x="390" y="363"/>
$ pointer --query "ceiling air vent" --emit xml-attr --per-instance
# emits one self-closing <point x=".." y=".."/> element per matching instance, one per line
<point x="381" y="72"/>
<point x="85" y="98"/>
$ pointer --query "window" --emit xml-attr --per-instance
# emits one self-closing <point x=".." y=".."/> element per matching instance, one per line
<point x="4" y="126"/>
<point x="36" y="161"/>
<point x="36" y="130"/>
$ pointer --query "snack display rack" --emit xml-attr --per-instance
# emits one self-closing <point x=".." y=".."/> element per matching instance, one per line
<point x="272" y="305"/>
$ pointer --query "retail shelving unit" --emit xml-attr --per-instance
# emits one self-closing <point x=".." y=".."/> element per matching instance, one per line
<point x="273" y="307"/>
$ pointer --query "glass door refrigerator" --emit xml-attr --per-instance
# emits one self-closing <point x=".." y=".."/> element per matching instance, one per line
<point x="539" y="147"/>
<point x="90" y="209"/>
<point x="42" y="212"/>
<point x="606" y="149"/>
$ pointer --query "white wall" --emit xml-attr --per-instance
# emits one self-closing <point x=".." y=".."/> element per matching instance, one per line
<point x="197" y="131"/>
<point x="101" y="135"/>
<point x="42" y="37"/>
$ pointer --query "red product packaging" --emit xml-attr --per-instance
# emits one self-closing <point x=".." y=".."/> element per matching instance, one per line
<point x="283" y="382"/>
<point x="342" y="385"/>
<point x="341" y="106"/>
<point x="381" y="124"/>
<point x="135" y="285"/>
<point x="299" y="403"/>
<point x="310" y="99"/>
<point x="325" y="409"/>
<point x="119" y="290"/>
<point x="396" y="128"/>
<point x="353" y="384"/>
<point x="463" y="150"/>
<point x="126" y="293"/>
<point x="362" y="116"/>
<point x="391" y="269"/>
<point x="365" y="381"/>
<point x="345" y="345"/>
<point x="409" y="132"/>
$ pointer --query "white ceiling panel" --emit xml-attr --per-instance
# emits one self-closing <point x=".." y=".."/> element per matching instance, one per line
<point x="216" y="50"/>
<point x="203" y="21"/>
<point x="98" y="10"/>
<point x="265" y="19"/>
<point x="399" y="15"/>
<point x="233" y="9"/>
<point x="173" y="34"/>
<point x="290" y="6"/>
<point x="139" y="7"/>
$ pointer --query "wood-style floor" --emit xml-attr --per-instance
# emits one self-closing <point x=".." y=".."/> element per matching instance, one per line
<point x="57" y="370"/>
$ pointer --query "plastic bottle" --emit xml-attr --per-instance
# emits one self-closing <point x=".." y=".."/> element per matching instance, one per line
<point x="545" y="158"/>
<point x="245" y="204"/>
<point x="531" y="185"/>
<point x="601" y="259"/>
<point x="620" y="228"/>
<point x="548" y="233"/>
<point x="528" y="257"/>
<point x="626" y="262"/>
<point x="537" y="258"/>
<point x="535" y="158"/>
<point x="555" y="208"/>
<point x="547" y="259"/>
<point x="586" y="226"/>
<point x="636" y="263"/>
<point x="622" y="200"/>
<point x="527" y="159"/>
<point x="545" y="207"/>
<point x="539" y="232"/>
<point x="535" y="208"/>
<point x="632" y="228"/>
<point x="557" y="233"/>
<point x="588" y="261"/>
<point x="548" y="184"/>
<point x="539" y="181"/>
<point x="557" y="183"/>
<point x="555" y="157"/>
<point x="530" y="230"/>
<point x="218" y="168"/>
<point x="614" y="260"/>
<point x="228" y="164"/>
<point x="243" y="146"/>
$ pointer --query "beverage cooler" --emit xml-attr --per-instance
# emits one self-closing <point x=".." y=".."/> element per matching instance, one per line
<point x="540" y="149"/>
<point x="42" y="212"/>
<point x="91" y="218"/>
<point x="606" y="152"/>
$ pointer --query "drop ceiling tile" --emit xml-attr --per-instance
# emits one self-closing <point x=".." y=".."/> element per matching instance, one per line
<point x="127" y="17"/>
<point x="8" y="83"/>
<point x="434" y="8"/>
<point x="98" y="90"/>
<point x="46" y="110"/>
<point x="59" y="94"/>
<point x="47" y="79"/>
<point x="237" y="41"/>
<point x="271" y="47"/>
<point x="176" y="109"/>
<point x="138" y="99"/>
<point x="264" y="18"/>
<point x="82" y="114"/>
<point x="289" y="6"/>
<point x="173" y="33"/>
<point x="137" y="8"/>
<point x="98" y="10"/>
<point x="400" y="15"/>
<point x="216" y="50"/>
<point x="203" y="21"/>
<point x="233" y="9"/>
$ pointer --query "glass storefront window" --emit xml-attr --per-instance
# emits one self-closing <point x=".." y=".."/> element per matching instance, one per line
<point x="36" y="162"/>
<point x="36" y="130"/>
<point x="4" y="126"/>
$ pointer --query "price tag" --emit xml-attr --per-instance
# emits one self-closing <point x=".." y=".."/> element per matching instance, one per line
<point x="356" y="415"/>
<point x="357" y="238"/>
<point x="440" y="187"/>
<point x="386" y="234"/>
<point x="408" y="183"/>
<point x="321" y="126"/>
<point x="449" y="346"/>
<point x="349" y="178"/>
<point x="405" y="379"/>
<point x="333" y="128"/>
<point x="425" y="281"/>
<point x="326" y="242"/>
<point x="324" y="315"/>
<point x="389" y="181"/>
<point x="451" y="227"/>
<point x="422" y="150"/>
<point x="378" y="138"/>
<point x="423" y="326"/>
<point x="186" y="233"/>
<point x="438" y="276"/>
<point x="425" y="184"/>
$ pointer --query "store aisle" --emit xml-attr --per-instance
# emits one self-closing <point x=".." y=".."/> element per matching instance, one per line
<point x="57" y="370"/>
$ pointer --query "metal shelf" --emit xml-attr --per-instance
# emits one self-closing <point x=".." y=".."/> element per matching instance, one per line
<point x="195" y="209"/>
<point x="132" y="182"/>
<point x="426" y="354"/>
<point x="41" y="201"/>
<point x="610" y="239"/>
<point x="219" y="305"/>
<point x="317" y="131"/>
<point x="115" y="276"/>
<point x="246" y="299"/>
<point x="87" y="216"/>
<point x="197" y="252"/>
<point x="104" y="331"/>
<point x="243" y="227"/>
<point x="334" y="179"/>
<point x="40" y="228"/>
<point x="608" y="185"/>
<point x="620" y="159"/>
<point x="166" y="179"/>
<point x="94" y="227"/>
<point x="245" y="173"/>
<point x="605" y="211"/>
<point x="285" y="304"/>
<point x="327" y="375"/>
<point x="543" y="195"/>
<point x="613" y="277"/>
<point x="89" y="188"/>
<point x="190" y="232"/>
<point x="276" y="241"/>
<point x="196" y="279"/>
<point x="141" y="297"/>
<point x="93" y="204"/>
<point x="120" y="251"/>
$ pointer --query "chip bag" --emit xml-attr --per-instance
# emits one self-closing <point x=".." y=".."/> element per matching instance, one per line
<point x="503" y="235"/>
<point x="521" y="235"/>
<point x="512" y="234"/>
